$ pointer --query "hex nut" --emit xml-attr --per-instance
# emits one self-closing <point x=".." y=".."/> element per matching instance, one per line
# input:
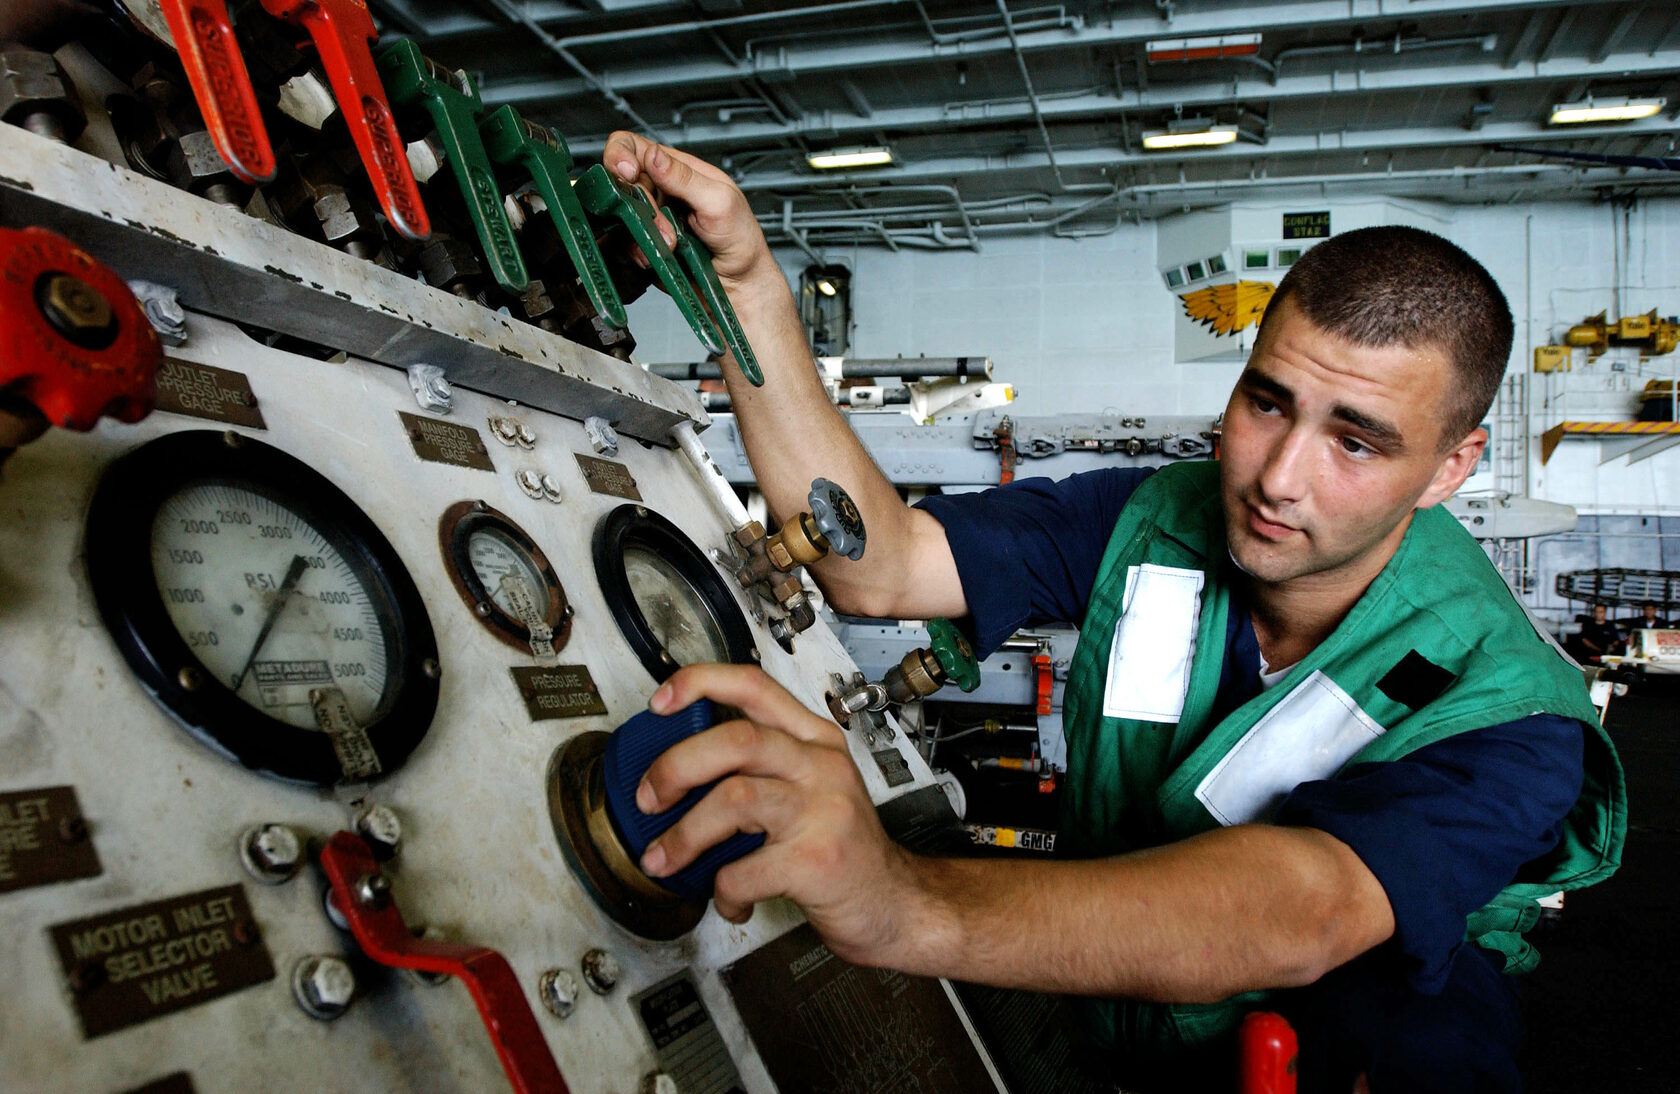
<point x="31" y="82"/>
<point x="382" y="828"/>
<point x="601" y="971"/>
<point x="271" y="853"/>
<point x="323" y="986"/>
<point x="558" y="990"/>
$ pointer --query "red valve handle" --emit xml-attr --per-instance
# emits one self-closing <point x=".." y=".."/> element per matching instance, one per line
<point x="379" y="928"/>
<point x="342" y="30"/>
<point x="73" y="340"/>
<point x="1267" y="1053"/>
<point x="203" y="35"/>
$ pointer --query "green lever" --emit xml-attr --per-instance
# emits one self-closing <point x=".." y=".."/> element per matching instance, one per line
<point x="698" y="261"/>
<point x="604" y="195"/>
<point x="511" y="140"/>
<point x="454" y="105"/>
<point x="954" y="654"/>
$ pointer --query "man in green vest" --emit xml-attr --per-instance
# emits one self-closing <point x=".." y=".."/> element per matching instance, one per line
<point x="1318" y="754"/>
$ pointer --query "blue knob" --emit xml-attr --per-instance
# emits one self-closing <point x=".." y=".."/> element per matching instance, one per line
<point x="631" y="750"/>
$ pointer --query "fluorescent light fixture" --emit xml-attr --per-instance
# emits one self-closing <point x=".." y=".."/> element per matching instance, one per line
<point x="826" y="287"/>
<point x="849" y="157"/>
<point x="1190" y="138"/>
<point x="1606" y="110"/>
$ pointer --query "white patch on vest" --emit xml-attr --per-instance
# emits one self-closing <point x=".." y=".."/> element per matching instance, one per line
<point x="1154" y="644"/>
<point x="1309" y="735"/>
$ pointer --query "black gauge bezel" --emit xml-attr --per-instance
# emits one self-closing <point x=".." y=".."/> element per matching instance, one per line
<point x="125" y="588"/>
<point x="455" y="531"/>
<point x="638" y="526"/>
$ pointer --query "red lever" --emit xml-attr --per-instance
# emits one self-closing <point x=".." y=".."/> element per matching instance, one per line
<point x="1044" y="679"/>
<point x="342" y="30"/>
<point x="203" y="35"/>
<point x="73" y="340"/>
<point x="361" y="892"/>
<point x="1267" y="1054"/>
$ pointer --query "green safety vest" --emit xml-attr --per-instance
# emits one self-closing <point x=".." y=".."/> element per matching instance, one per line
<point x="1436" y="646"/>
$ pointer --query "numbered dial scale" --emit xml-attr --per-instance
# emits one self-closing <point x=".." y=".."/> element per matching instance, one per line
<point x="504" y="578"/>
<point x="262" y="609"/>
<point x="665" y="595"/>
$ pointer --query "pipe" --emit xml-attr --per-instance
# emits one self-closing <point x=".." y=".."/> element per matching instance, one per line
<point x="1655" y="163"/>
<point x="1037" y="108"/>
<point x="710" y="475"/>
<point x="855" y="368"/>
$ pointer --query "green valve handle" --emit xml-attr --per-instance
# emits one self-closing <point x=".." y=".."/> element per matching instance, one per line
<point x="604" y="195"/>
<point x="454" y="106"/>
<point x="698" y="260"/>
<point x="511" y="140"/>
<point x="954" y="654"/>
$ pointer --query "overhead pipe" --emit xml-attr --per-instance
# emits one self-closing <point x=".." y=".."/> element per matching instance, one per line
<point x="1656" y="163"/>
<point x="1037" y="109"/>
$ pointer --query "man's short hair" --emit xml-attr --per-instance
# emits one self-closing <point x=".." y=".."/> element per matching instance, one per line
<point x="1400" y="286"/>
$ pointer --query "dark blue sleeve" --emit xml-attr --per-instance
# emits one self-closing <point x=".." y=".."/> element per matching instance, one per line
<point x="1448" y="826"/>
<point x="1028" y="552"/>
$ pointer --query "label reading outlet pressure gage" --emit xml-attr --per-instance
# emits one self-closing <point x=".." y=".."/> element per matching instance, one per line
<point x="262" y="609"/>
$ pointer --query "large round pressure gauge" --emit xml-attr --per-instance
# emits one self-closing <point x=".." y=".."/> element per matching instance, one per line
<point x="262" y="608"/>
<point x="666" y="596"/>
<point x="504" y="578"/>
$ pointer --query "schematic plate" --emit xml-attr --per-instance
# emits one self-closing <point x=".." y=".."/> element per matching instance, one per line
<point x="825" y="1026"/>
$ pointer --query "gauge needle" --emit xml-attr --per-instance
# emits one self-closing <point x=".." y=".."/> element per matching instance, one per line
<point x="293" y="573"/>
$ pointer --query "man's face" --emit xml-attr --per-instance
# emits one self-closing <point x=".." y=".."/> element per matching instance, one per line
<point x="1649" y="613"/>
<point x="1328" y="448"/>
<point x="1598" y="613"/>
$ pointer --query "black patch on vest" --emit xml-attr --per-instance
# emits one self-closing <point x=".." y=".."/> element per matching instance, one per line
<point x="1416" y="681"/>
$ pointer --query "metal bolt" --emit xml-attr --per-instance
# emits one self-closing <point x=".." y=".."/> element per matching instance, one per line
<point x="431" y="934"/>
<point x="531" y="482"/>
<point x="190" y="679"/>
<point x="382" y="828"/>
<point x="163" y="311"/>
<point x="374" y="890"/>
<point x="323" y="986"/>
<point x="551" y="488"/>
<point x="245" y="932"/>
<point x="601" y="971"/>
<point x="603" y="438"/>
<point x="482" y="609"/>
<point x="658" y="1082"/>
<point x="335" y="914"/>
<point x="86" y="976"/>
<point x="527" y="436"/>
<point x="431" y="668"/>
<point x="272" y="853"/>
<point x="431" y="389"/>
<point x="72" y="829"/>
<point x="558" y="990"/>
<point x="76" y="310"/>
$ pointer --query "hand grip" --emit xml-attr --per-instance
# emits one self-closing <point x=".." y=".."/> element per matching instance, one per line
<point x="698" y="261"/>
<point x="203" y="34"/>
<point x="341" y="30"/>
<point x="384" y="937"/>
<point x="604" y="195"/>
<point x="510" y="139"/>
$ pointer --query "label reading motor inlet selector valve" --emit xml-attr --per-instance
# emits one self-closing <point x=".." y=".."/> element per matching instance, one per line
<point x="685" y="1039"/>
<point x="608" y="477"/>
<point x="134" y="964"/>
<point x="446" y="442"/>
<point x="204" y="391"/>
<point x="558" y="691"/>
<point x="43" y="838"/>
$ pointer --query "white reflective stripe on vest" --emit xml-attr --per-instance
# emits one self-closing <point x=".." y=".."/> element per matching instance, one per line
<point x="1154" y="644"/>
<point x="1309" y="735"/>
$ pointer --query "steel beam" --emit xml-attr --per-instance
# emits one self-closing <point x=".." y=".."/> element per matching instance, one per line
<point x="1128" y="26"/>
<point x="1255" y="90"/>
<point x="1373" y="140"/>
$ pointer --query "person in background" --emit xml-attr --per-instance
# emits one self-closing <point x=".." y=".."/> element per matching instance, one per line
<point x="1599" y="636"/>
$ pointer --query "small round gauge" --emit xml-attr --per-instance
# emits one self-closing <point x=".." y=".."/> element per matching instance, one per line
<point x="665" y="595"/>
<point x="504" y="578"/>
<point x="262" y="609"/>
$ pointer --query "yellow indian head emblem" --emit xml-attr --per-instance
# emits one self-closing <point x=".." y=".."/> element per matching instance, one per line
<point x="1227" y="309"/>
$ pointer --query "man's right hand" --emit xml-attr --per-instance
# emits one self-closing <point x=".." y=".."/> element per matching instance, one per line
<point x="722" y="219"/>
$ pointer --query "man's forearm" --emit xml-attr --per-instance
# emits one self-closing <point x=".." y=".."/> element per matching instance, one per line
<point x="793" y="434"/>
<point x="1229" y="911"/>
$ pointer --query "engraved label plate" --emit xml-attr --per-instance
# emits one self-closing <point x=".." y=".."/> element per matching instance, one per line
<point x="823" y="1026"/>
<point x="446" y="442"/>
<point x="135" y="964"/>
<point x="608" y="477"/>
<point x="204" y="391"/>
<point x="43" y="838"/>
<point x="684" y="1038"/>
<point x="562" y="691"/>
<point x="893" y="768"/>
